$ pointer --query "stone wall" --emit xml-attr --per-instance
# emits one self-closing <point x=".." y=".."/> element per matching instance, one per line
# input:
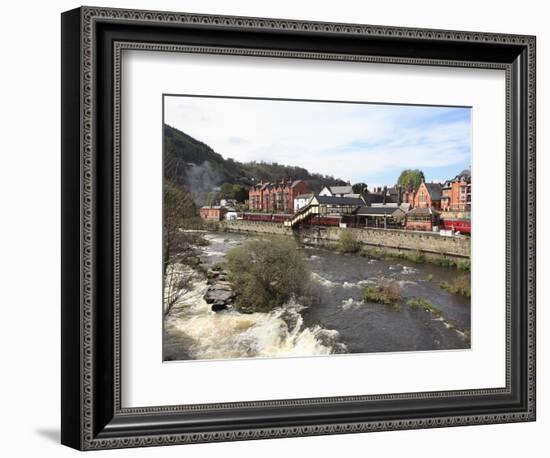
<point x="258" y="227"/>
<point x="391" y="239"/>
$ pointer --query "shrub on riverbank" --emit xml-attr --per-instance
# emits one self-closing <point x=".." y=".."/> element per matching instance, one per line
<point x="460" y="286"/>
<point x="387" y="295"/>
<point x="347" y="242"/>
<point x="266" y="273"/>
<point x="420" y="303"/>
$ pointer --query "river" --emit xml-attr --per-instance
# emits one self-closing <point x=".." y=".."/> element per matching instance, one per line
<point x="336" y="321"/>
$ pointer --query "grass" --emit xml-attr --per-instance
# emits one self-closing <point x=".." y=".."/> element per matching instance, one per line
<point x="459" y="286"/>
<point x="413" y="256"/>
<point x="387" y="295"/>
<point x="416" y="257"/>
<point x="419" y="303"/>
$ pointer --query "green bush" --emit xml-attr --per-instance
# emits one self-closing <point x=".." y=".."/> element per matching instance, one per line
<point x="463" y="265"/>
<point x="443" y="261"/>
<point x="460" y="286"/>
<point x="413" y="256"/>
<point x="347" y="243"/>
<point x="387" y="295"/>
<point x="266" y="272"/>
<point x="416" y="303"/>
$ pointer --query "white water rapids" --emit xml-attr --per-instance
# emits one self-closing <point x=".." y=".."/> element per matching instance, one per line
<point x="230" y="334"/>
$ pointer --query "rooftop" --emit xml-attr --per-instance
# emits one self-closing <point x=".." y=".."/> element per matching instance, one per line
<point x="341" y="189"/>
<point x="375" y="211"/>
<point x="434" y="189"/>
<point x="335" y="200"/>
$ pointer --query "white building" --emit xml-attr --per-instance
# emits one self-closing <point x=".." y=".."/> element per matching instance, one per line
<point x="301" y="201"/>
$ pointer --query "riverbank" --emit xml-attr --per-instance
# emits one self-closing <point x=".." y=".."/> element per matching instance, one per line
<point x="338" y="319"/>
<point x="415" y="246"/>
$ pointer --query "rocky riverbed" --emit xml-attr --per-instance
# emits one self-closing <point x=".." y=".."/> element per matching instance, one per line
<point x="206" y="324"/>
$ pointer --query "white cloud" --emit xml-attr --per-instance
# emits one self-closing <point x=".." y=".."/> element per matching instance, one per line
<point x="359" y="142"/>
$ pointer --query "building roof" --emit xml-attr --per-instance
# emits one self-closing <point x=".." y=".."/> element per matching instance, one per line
<point x="378" y="211"/>
<point x="295" y="183"/>
<point x="465" y="173"/>
<point x="304" y="196"/>
<point x="213" y="207"/>
<point x="341" y="189"/>
<point x="434" y="189"/>
<point x="335" y="200"/>
<point x="373" y="197"/>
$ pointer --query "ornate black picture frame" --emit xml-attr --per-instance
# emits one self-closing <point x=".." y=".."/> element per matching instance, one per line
<point x="92" y="42"/>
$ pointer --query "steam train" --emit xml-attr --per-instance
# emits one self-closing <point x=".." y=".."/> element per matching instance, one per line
<point x="462" y="225"/>
<point x="282" y="217"/>
<point x="269" y="217"/>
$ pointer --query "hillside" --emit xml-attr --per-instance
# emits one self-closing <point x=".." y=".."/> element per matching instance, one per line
<point x="197" y="168"/>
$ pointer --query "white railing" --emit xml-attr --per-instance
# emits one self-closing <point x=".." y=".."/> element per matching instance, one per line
<point x="302" y="215"/>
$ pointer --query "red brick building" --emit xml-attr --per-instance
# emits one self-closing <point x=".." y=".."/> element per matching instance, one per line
<point x="212" y="212"/>
<point x="408" y="197"/>
<point x="456" y="193"/>
<point x="428" y="195"/>
<point x="422" y="219"/>
<point x="276" y="196"/>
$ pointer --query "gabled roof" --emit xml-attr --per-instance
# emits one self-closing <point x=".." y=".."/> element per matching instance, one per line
<point x="304" y="196"/>
<point x="378" y="211"/>
<point x="373" y="197"/>
<point x="434" y="189"/>
<point x="341" y="189"/>
<point x="335" y="200"/>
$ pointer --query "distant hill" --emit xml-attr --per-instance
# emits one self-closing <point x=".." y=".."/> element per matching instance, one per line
<point x="197" y="168"/>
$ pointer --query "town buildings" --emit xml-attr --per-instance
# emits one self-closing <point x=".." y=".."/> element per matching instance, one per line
<point x="212" y="212"/>
<point x="338" y="191"/>
<point x="422" y="219"/>
<point x="301" y="201"/>
<point x="276" y="196"/>
<point x="428" y="195"/>
<point x="456" y="195"/>
<point x="430" y="206"/>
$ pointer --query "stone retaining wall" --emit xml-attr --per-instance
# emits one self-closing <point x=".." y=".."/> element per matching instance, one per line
<point x="391" y="239"/>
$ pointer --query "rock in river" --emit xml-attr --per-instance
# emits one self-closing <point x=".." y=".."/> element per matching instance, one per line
<point x="220" y="292"/>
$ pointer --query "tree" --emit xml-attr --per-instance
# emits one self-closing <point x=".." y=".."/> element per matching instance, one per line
<point x="410" y="178"/>
<point x="240" y="193"/>
<point x="178" y="207"/>
<point x="226" y="191"/>
<point x="266" y="273"/>
<point x="359" y="188"/>
<point x="234" y="191"/>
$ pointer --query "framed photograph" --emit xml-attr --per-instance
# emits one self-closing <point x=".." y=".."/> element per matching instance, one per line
<point x="278" y="228"/>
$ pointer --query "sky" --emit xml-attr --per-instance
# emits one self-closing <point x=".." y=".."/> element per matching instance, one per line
<point x="357" y="142"/>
